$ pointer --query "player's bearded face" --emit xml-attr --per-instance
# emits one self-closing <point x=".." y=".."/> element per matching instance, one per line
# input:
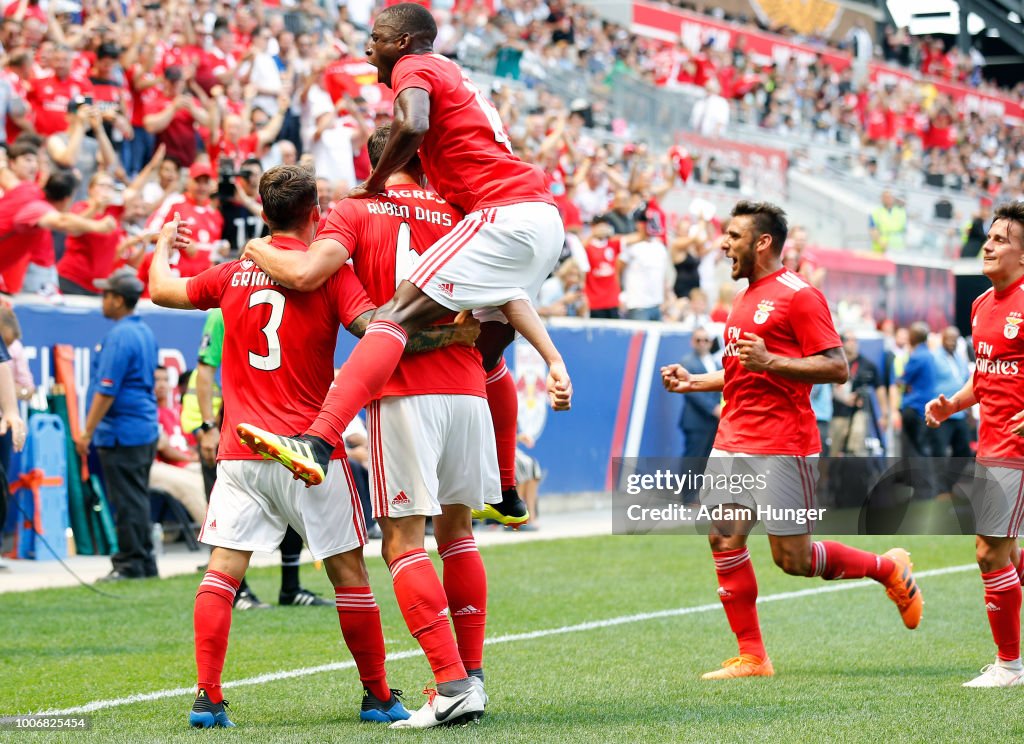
<point x="739" y="248"/>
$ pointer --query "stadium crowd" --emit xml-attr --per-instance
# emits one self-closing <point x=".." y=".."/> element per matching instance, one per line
<point x="182" y="106"/>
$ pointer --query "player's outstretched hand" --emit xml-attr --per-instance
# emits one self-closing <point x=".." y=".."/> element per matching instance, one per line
<point x="752" y="353"/>
<point x="676" y="378"/>
<point x="938" y="410"/>
<point x="467" y="329"/>
<point x="1018" y="418"/>
<point x="559" y="387"/>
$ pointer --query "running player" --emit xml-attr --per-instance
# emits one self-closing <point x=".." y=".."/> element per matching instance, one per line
<point x="779" y="342"/>
<point x="277" y="365"/>
<point x="998" y="493"/>
<point x="497" y="257"/>
<point x="432" y="449"/>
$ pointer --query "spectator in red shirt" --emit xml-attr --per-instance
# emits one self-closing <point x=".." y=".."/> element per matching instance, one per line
<point x="602" y="284"/>
<point x="172" y="115"/>
<point x="28" y="214"/>
<point x="111" y="95"/>
<point x="51" y="96"/>
<point x="199" y="214"/>
<point x="92" y="256"/>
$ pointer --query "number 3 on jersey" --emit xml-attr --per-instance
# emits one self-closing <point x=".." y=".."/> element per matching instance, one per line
<point x="275" y="299"/>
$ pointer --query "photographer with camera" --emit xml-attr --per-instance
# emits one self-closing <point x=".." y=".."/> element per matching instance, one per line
<point x="240" y="207"/>
<point x="857" y="416"/>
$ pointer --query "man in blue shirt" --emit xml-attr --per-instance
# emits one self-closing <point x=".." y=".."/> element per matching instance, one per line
<point x="953" y="438"/>
<point x="919" y="383"/>
<point x="122" y="421"/>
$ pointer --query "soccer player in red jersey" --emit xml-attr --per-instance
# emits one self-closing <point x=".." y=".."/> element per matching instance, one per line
<point x="997" y="318"/>
<point x="432" y="450"/>
<point x="779" y="342"/>
<point x="278" y="363"/>
<point x="496" y="257"/>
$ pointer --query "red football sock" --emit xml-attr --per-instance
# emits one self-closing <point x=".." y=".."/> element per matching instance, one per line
<point x="833" y="560"/>
<point x="361" y="378"/>
<point x="1002" y="600"/>
<point x="465" y="583"/>
<point x="212" y="620"/>
<point x="737" y="588"/>
<point x="503" y="400"/>
<point x="359" y="615"/>
<point x="424" y="606"/>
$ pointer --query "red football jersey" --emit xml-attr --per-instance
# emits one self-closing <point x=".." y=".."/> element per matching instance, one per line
<point x="385" y="236"/>
<point x="764" y="413"/>
<point x="466" y="153"/>
<point x="279" y="344"/>
<point x="50" y="98"/>
<point x="997" y="322"/>
<point x="90" y="256"/>
<point x="602" y="285"/>
<point x="204" y="219"/>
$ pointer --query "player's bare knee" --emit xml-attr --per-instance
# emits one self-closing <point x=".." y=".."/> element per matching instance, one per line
<point x="347" y="569"/>
<point x="795" y="563"/>
<point x="721" y="543"/>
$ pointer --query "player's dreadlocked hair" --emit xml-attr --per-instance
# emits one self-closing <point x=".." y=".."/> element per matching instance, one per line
<point x="768" y="219"/>
<point x="289" y="196"/>
<point x="412" y="19"/>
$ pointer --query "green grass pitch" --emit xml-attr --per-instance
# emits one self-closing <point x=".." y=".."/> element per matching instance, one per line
<point x="846" y="669"/>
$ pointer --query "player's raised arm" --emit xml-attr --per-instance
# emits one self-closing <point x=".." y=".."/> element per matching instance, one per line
<point x="295" y="269"/>
<point x="165" y="288"/>
<point x="939" y="409"/>
<point x="411" y="122"/>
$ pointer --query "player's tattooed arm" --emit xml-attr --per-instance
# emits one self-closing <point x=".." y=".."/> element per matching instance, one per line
<point x="463" y="332"/>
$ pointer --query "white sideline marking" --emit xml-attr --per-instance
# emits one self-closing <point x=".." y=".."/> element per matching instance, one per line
<point x="579" y="627"/>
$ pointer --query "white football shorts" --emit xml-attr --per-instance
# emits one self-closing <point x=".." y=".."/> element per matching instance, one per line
<point x="997" y="499"/>
<point x="775" y="488"/>
<point x="491" y="257"/>
<point x="254" y="501"/>
<point x="429" y="450"/>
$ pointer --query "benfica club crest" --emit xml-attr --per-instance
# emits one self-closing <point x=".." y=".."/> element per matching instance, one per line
<point x="1012" y="327"/>
<point x="531" y="376"/>
<point x="764" y="309"/>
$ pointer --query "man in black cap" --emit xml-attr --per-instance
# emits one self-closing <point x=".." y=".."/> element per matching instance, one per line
<point x="123" y="421"/>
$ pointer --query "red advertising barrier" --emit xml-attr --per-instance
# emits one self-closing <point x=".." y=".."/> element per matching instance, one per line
<point x="760" y="169"/>
<point x="672" y="25"/>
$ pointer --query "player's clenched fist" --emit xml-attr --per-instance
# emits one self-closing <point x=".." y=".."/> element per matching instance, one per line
<point x="752" y="353"/>
<point x="559" y="388"/>
<point x="676" y="378"/>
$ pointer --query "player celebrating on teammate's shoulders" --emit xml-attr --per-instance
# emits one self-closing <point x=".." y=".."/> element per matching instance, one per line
<point x="996" y="320"/>
<point x="496" y="257"/>
<point x="277" y="365"/>
<point x="780" y="341"/>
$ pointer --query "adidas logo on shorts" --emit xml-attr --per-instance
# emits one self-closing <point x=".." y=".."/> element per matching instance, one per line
<point x="401" y="500"/>
<point x="446" y="288"/>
